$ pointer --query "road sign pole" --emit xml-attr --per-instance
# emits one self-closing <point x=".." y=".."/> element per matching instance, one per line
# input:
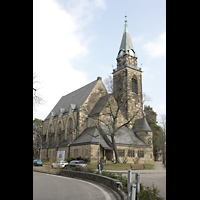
<point x="129" y="181"/>
<point x="133" y="191"/>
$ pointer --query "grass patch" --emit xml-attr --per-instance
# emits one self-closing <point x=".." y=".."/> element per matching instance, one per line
<point x="47" y="162"/>
<point x="121" y="166"/>
<point x="149" y="166"/>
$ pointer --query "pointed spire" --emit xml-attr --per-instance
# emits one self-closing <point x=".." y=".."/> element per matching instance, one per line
<point x="126" y="46"/>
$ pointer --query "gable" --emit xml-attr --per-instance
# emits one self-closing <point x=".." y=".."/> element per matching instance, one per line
<point x="91" y="136"/>
<point x="77" y="98"/>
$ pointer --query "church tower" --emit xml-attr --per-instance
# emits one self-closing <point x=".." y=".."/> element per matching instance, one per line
<point x="127" y="79"/>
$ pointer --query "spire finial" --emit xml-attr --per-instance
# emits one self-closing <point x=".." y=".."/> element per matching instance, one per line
<point x="126" y="25"/>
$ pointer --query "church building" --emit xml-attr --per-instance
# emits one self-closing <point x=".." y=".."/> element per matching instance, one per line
<point x="89" y="122"/>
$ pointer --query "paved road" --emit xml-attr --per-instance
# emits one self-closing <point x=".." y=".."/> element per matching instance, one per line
<point x="51" y="187"/>
<point x="150" y="177"/>
<point x="158" y="179"/>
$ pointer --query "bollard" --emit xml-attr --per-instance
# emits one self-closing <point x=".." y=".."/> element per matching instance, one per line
<point x="137" y="181"/>
<point x="133" y="192"/>
<point x="129" y="181"/>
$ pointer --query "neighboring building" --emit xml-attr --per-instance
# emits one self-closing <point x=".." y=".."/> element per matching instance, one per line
<point x="74" y="123"/>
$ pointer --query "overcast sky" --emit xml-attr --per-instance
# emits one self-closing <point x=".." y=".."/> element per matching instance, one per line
<point x="75" y="41"/>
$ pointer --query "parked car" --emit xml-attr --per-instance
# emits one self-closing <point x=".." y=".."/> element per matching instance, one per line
<point x="75" y="163"/>
<point x="60" y="164"/>
<point x="37" y="162"/>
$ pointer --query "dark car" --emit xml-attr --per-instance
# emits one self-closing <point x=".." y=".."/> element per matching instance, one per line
<point x="37" y="162"/>
<point x="75" y="163"/>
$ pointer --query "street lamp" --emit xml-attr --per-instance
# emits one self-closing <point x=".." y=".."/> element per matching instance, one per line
<point x="57" y="152"/>
<point x="99" y="164"/>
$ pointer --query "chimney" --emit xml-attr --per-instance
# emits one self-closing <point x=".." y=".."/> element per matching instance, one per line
<point x="99" y="78"/>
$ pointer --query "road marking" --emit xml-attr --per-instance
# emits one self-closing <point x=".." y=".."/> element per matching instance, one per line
<point x="107" y="196"/>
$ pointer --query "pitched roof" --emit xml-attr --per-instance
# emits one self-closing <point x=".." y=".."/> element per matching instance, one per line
<point x="99" y="106"/>
<point x="76" y="97"/>
<point x="90" y="136"/>
<point x="141" y="125"/>
<point x="124" y="136"/>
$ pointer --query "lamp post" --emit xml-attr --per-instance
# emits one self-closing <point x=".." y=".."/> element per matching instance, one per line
<point x="99" y="164"/>
<point x="56" y="152"/>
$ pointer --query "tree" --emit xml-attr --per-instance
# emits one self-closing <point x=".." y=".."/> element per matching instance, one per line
<point x="37" y="126"/>
<point x="109" y="84"/>
<point x="37" y="132"/>
<point x="37" y="100"/>
<point x="163" y="140"/>
<point x="112" y="116"/>
<point x="113" y="119"/>
<point x="156" y="129"/>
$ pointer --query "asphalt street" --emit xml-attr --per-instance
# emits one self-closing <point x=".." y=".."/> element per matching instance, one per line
<point x="51" y="187"/>
<point x="156" y="176"/>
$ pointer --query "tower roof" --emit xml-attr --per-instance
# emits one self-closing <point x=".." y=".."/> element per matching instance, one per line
<point x="141" y="125"/>
<point x="126" y="46"/>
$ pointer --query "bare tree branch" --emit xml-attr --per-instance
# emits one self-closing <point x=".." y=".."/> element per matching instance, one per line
<point x="37" y="100"/>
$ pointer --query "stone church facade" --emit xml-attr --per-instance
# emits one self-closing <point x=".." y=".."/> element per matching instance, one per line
<point x="81" y="121"/>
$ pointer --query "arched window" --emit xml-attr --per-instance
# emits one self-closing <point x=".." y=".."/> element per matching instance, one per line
<point x="59" y="127"/>
<point x="134" y="85"/>
<point x="70" y="129"/>
<point x="51" y="129"/>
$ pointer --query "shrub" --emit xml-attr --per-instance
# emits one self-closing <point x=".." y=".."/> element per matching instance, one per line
<point x="149" y="193"/>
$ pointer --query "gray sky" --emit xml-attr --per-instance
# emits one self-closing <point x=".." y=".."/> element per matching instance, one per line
<point x="75" y="41"/>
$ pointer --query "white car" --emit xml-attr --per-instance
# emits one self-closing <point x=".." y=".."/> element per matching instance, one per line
<point x="60" y="164"/>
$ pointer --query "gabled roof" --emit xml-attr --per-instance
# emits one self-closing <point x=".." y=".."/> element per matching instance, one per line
<point x="141" y="125"/>
<point x="76" y="98"/>
<point x="90" y="136"/>
<point x="99" y="106"/>
<point x="124" y="136"/>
